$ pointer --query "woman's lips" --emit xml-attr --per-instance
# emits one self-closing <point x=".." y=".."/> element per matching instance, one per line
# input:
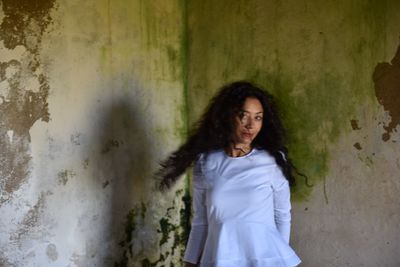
<point x="247" y="135"/>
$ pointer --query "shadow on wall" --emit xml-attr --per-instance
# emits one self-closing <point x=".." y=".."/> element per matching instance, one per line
<point x="141" y="231"/>
<point x="123" y="169"/>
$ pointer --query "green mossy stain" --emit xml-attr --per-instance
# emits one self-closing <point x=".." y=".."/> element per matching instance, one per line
<point x="148" y="263"/>
<point x="105" y="55"/>
<point x="143" y="210"/>
<point x="179" y="232"/>
<point x="185" y="215"/>
<point x="172" y="55"/>
<point x="302" y="120"/>
<point x="134" y="217"/>
<point x="184" y="64"/>
<point x="273" y="51"/>
<point x="130" y="225"/>
<point x="178" y="192"/>
<point x="165" y="228"/>
<point x="174" y="63"/>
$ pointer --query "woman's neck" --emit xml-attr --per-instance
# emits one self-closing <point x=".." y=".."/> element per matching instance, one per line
<point x="238" y="150"/>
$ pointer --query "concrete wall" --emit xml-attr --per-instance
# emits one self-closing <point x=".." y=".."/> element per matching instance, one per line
<point x="94" y="93"/>
<point x="91" y="98"/>
<point x="319" y="58"/>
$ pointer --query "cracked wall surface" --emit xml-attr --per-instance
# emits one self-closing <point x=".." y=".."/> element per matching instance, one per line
<point x="91" y="98"/>
<point x="94" y="93"/>
<point x="24" y="87"/>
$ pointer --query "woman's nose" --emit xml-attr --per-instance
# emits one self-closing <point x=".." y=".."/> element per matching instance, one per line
<point x="249" y="124"/>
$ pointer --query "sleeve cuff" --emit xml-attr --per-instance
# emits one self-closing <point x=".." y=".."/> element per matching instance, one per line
<point x="195" y="244"/>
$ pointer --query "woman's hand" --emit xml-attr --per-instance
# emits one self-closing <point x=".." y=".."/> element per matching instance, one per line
<point x="188" y="264"/>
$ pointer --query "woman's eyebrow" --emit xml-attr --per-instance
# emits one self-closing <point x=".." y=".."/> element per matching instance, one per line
<point x="243" y="110"/>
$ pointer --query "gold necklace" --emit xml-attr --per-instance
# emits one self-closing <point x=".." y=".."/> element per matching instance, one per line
<point x="242" y="150"/>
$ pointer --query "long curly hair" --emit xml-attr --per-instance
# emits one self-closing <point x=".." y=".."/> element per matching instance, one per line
<point x="214" y="130"/>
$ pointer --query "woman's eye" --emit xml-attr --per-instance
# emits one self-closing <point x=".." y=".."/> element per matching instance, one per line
<point x="241" y="115"/>
<point x="259" y="118"/>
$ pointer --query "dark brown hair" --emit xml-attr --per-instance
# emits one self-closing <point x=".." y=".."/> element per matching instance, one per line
<point x="213" y="132"/>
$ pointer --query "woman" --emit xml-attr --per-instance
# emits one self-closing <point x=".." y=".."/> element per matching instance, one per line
<point x="241" y="196"/>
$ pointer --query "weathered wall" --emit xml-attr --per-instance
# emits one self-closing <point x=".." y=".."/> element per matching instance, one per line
<point x="320" y="59"/>
<point x="94" y="93"/>
<point x="91" y="98"/>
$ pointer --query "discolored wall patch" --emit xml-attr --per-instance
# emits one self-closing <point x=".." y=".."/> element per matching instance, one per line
<point x="24" y="87"/>
<point x="126" y="77"/>
<point x="170" y="236"/>
<point x="25" y="22"/>
<point x="30" y="221"/>
<point x="51" y="252"/>
<point x="387" y="90"/>
<point x="358" y="146"/>
<point x="64" y="176"/>
<point x="89" y="154"/>
<point x="354" y="124"/>
<point x="110" y="145"/>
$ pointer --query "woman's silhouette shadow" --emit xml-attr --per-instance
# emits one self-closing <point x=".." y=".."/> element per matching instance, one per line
<point x="123" y="169"/>
<point x="139" y="222"/>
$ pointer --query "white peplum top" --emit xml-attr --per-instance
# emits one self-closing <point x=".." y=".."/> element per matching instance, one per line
<point x="241" y="212"/>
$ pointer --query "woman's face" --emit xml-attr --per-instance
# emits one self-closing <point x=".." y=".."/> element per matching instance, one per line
<point x="248" y="122"/>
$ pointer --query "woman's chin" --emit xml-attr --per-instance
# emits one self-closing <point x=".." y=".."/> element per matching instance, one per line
<point x="246" y="141"/>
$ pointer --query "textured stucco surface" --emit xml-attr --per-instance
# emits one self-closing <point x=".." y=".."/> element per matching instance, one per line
<point x="94" y="93"/>
<point x="23" y="87"/>
<point x="333" y="69"/>
<point x="91" y="99"/>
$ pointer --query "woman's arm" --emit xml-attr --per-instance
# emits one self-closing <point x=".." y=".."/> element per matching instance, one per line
<point x="198" y="232"/>
<point x="282" y="205"/>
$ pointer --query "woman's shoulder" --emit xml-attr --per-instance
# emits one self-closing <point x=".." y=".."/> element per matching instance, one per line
<point x="263" y="156"/>
<point x="209" y="160"/>
<point x="277" y="177"/>
<point x="210" y="155"/>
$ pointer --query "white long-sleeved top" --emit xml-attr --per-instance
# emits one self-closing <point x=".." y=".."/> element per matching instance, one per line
<point x="241" y="212"/>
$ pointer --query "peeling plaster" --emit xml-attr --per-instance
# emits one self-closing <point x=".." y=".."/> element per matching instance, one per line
<point x="4" y="262"/>
<point x="24" y="87"/>
<point x="387" y="90"/>
<point x="114" y="161"/>
<point x="171" y="233"/>
<point x="145" y="70"/>
<point x="31" y="219"/>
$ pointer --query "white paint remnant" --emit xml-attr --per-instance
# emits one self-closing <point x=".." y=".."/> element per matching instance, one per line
<point x="10" y="54"/>
<point x="4" y="91"/>
<point x="31" y="84"/>
<point x="10" y="134"/>
<point x="11" y="71"/>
